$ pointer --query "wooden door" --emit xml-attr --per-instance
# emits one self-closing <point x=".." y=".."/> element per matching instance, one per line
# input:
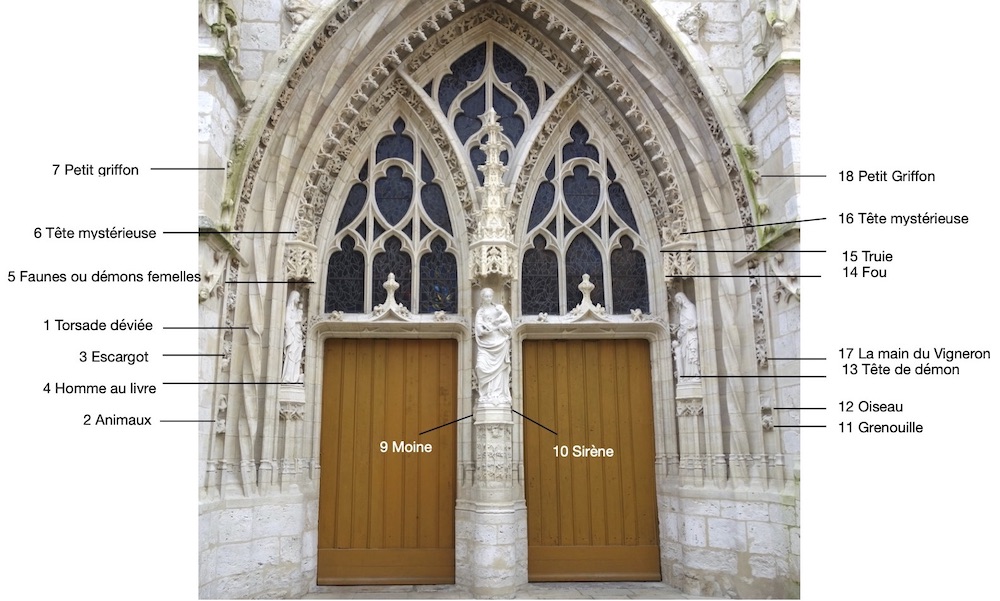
<point x="387" y="508"/>
<point x="590" y="517"/>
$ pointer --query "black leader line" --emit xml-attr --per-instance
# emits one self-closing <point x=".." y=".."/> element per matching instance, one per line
<point x="764" y="376"/>
<point x="187" y="168"/>
<point x="729" y="251"/>
<point x="281" y="281"/>
<point x="790" y="175"/>
<point x="206" y="327"/>
<point x="269" y="383"/>
<point x="443" y="425"/>
<point x="533" y="421"/>
<point x="740" y="227"/>
<point x="210" y="231"/>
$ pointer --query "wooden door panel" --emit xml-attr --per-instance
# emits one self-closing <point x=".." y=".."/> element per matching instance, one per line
<point x="387" y="517"/>
<point x="590" y="518"/>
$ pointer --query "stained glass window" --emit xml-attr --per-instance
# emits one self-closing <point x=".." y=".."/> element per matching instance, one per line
<point x="620" y="203"/>
<point x="544" y="198"/>
<point x="395" y="146"/>
<point x="539" y="280"/>
<point x="345" y="279"/>
<point x="582" y="257"/>
<point x="629" y="288"/>
<point x="396" y="261"/>
<point x="579" y="146"/>
<point x="468" y="68"/>
<point x="438" y="279"/>
<point x="582" y="193"/>
<point x="593" y="231"/>
<point x="393" y="194"/>
<point x="385" y="218"/>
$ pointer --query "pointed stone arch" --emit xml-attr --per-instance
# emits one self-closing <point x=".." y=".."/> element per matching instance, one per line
<point x="343" y="77"/>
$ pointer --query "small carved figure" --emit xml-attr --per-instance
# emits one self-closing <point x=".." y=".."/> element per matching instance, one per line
<point x="291" y="373"/>
<point x="493" y="332"/>
<point x="299" y="11"/>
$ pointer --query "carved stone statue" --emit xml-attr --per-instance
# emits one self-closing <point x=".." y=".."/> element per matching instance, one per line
<point x="686" y="345"/>
<point x="291" y="373"/>
<point x="493" y="332"/>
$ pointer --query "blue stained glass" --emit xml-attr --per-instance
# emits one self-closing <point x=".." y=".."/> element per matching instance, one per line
<point x="629" y="287"/>
<point x="363" y="174"/>
<point x="550" y="171"/>
<point x="612" y="175"/>
<point x="513" y="125"/>
<point x="362" y="229"/>
<point x="478" y="158"/>
<point x="438" y="279"/>
<point x="507" y="67"/>
<point x="352" y="206"/>
<point x="540" y="208"/>
<point x="467" y="122"/>
<point x="393" y="194"/>
<point x="579" y="146"/>
<point x="448" y="89"/>
<point x="551" y="228"/>
<point x="582" y="257"/>
<point x="424" y="230"/>
<point x="539" y="280"/>
<point x="345" y="279"/>
<point x="426" y="171"/>
<point x="408" y="229"/>
<point x="429" y="87"/>
<point x="435" y="206"/>
<point x="612" y="226"/>
<point x="621" y="205"/>
<point x="511" y="70"/>
<point x="548" y="92"/>
<point x="377" y="230"/>
<point x="468" y="68"/>
<point x="395" y="146"/>
<point x="582" y="193"/>
<point x="396" y="261"/>
<point x="527" y="89"/>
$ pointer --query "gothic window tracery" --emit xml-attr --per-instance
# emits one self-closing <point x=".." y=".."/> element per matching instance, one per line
<point x="488" y="75"/>
<point x="394" y="220"/>
<point x="580" y="222"/>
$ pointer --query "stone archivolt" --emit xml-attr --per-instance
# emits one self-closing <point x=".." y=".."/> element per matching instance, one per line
<point x="599" y="84"/>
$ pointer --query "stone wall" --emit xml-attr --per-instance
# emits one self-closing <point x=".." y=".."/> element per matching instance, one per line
<point x="731" y="543"/>
<point x="253" y="548"/>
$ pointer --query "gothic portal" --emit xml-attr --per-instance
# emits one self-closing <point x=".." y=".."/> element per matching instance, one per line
<point x="493" y="302"/>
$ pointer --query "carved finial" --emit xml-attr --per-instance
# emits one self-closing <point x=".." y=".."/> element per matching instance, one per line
<point x="586" y="287"/>
<point x="587" y="308"/>
<point x="390" y="308"/>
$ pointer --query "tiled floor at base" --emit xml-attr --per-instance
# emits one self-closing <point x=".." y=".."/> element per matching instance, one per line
<point x="546" y="590"/>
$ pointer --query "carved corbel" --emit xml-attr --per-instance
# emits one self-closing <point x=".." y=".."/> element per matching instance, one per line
<point x="692" y="20"/>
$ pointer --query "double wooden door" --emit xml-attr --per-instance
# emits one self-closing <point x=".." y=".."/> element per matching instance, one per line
<point x="387" y="499"/>
<point x="591" y="513"/>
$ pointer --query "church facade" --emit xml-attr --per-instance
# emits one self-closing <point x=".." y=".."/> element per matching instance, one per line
<point x="497" y="292"/>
